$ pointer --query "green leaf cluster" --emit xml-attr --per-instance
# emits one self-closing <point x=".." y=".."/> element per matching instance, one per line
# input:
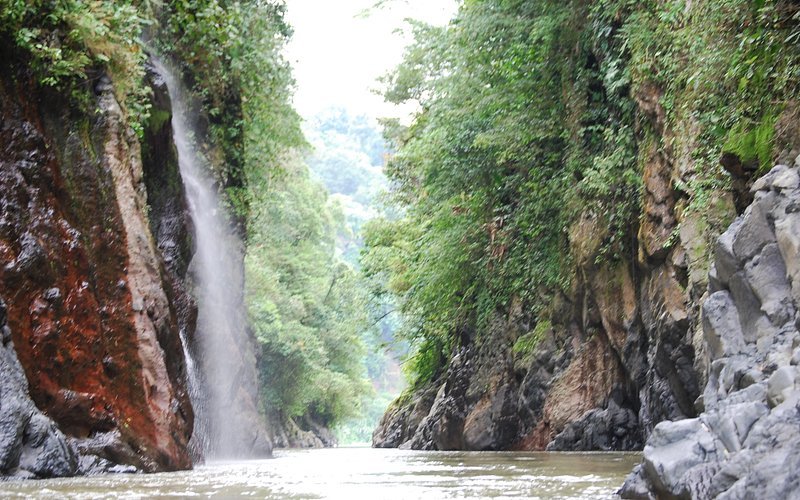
<point x="727" y="68"/>
<point x="304" y="303"/>
<point x="68" y="43"/>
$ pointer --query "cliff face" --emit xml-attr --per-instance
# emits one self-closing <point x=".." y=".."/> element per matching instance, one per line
<point x="745" y="442"/>
<point x="91" y="311"/>
<point x="621" y="353"/>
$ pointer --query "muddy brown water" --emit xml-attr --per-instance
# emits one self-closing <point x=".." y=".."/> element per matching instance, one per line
<point x="355" y="473"/>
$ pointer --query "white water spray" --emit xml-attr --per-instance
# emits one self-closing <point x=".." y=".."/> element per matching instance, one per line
<point x="221" y="343"/>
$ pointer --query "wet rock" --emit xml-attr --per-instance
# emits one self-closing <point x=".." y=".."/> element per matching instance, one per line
<point x="493" y="420"/>
<point x="746" y="442"/>
<point x="30" y="443"/>
<point x="723" y="333"/>
<point x="73" y="226"/>
<point x="443" y="427"/>
<point x="636" y="486"/>
<point x="613" y="428"/>
<point x="402" y="419"/>
<point x="91" y="465"/>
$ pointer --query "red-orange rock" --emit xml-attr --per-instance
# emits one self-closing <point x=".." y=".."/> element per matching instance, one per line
<point x="91" y="323"/>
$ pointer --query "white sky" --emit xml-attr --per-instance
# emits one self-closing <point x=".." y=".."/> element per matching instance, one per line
<point x="337" y="54"/>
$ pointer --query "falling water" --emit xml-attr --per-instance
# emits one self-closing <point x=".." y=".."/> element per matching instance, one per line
<point x="216" y="271"/>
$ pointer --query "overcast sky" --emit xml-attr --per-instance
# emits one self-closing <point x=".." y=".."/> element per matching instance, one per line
<point x="337" y="52"/>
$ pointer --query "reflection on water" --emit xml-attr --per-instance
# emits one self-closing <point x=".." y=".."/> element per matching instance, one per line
<point x="363" y="473"/>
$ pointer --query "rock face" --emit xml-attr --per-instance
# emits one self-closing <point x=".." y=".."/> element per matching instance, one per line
<point x="746" y="441"/>
<point x="617" y="357"/>
<point x="91" y="311"/>
<point x="305" y="433"/>
<point x="491" y="398"/>
<point x="618" y="353"/>
<point x="30" y="443"/>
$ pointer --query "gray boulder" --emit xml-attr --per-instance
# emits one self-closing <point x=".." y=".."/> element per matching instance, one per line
<point x="31" y="445"/>
<point x="746" y="442"/>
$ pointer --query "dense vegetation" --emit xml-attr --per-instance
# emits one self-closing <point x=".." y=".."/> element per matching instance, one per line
<point x="348" y="156"/>
<point x="533" y="113"/>
<point x="69" y="44"/>
<point x="302" y="298"/>
<point x="304" y="303"/>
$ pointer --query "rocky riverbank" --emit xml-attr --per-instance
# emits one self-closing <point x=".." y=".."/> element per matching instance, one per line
<point x="746" y="441"/>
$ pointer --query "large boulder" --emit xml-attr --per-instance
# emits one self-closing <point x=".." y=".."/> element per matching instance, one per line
<point x="746" y="442"/>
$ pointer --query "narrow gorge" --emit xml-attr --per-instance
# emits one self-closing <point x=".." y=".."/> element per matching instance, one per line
<point x="588" y="241"/>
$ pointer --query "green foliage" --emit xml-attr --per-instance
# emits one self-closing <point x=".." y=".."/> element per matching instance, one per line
<point x="526" y="120"/>
<point x="535" y="112"/>
<point x="231" y="54"/>
<point x="727" y="69"/>
<point x="426" y="361"/>
<point x="526" y="344"/>
<point x="69" y="41"/>
<point x="348" y="153"/>
<point x="753" y="145"/>
<point x="304" y="304"/>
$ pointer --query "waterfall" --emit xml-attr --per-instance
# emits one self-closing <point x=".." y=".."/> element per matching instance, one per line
<point x="216" y="354"/>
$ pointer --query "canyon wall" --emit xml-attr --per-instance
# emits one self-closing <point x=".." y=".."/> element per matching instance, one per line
<point x="619" y="353"/>
<point x="91" y="313"/>
<point x="688" y="348"/>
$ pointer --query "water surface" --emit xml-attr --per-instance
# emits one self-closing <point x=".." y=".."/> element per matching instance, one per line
<point x="355" y="473"/>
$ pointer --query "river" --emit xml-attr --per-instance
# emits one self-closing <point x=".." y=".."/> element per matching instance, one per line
<point x="356" y="473"/>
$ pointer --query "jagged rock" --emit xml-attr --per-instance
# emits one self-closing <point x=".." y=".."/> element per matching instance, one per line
<point x="723" y="333"/>
<point x="746" y="443"/>
<point x="726" y="263"/>
<point x="789" y="179"/>
<point x="493" y="420"/>
<point x="673" y="449"/>
<point x="30" y="443"/>
<point x="753" y="234"/>
<point x="766" y="274"/>
<point x="401" y="420"/>
<point x="613" y="428"/>
<point x="91" y="322"/>
<point x="780" y="385"/>
<point x="443" y="427"/>
<point x="765" y="182"/>
<point x="787" y="231"/>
